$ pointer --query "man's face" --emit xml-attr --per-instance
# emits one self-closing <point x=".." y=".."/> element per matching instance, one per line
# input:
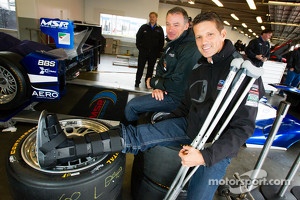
<point x="175" y="25"/>
<point x="267" y="36"/>
<point x="152" y="19"/>
<point x="208" y="38"/>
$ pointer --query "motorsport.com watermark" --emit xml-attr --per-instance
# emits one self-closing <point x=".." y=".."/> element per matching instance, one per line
<point x="244" y="183"/>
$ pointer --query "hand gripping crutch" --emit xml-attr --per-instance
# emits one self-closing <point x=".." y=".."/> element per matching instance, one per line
<point x="235" y="66"/>
<point x="247" y="69"/>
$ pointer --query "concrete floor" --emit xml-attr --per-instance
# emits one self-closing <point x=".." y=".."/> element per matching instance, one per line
<point x="277" y="163"/>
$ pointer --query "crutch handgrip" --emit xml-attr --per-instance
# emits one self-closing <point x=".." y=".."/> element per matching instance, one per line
<point x="252" y="70"/>
<point x="236" y="63"/>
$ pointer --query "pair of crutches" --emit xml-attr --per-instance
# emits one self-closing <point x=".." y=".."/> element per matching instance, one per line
<point x="238" y="71"/>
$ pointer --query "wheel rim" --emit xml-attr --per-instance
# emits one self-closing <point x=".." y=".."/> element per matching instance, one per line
<point x="8" y="86"/>
<point x="71" y="127"/>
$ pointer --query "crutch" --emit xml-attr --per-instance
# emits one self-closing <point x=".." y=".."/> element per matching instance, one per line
<point x="247" y="69"/>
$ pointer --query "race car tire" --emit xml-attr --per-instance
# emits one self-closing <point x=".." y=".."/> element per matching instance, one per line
<point x="153" y="172"/>
<point x="14" y="81"/>
<point x="91" y="178"/>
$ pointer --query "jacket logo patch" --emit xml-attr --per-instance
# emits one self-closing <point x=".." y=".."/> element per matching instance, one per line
<point x="220" y="84"/>
<point x="253" y="97"/>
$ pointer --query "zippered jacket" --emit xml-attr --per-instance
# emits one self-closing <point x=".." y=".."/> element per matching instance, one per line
<point x="176" y="64"/>
<point x="205" y="83"/>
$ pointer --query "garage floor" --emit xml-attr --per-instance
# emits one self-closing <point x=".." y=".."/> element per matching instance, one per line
<point x="277" y="163"/>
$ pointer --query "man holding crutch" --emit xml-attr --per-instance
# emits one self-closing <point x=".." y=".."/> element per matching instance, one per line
<point x="183" y="124"/>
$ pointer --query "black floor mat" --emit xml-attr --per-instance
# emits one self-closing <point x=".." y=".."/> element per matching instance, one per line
<point x="93" y="102"/>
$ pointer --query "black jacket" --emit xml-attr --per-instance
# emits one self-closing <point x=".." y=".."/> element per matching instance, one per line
<point x="205" y="83"/>
<point x="175" y="65"/>
<point x="294" y="61"/>
<point x="150" y="40"/>
<point x="255" y="47"/>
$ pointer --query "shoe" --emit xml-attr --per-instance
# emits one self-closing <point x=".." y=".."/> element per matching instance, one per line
<point x="53" y="147"/>
<point x="136" y="85"/>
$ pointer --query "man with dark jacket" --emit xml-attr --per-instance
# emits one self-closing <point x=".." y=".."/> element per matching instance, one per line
<point x="293" y="73"/>
<point x="258" y="49"/>
<point x="172" y="70"/>
<point x="149" y="41"/>
<point x="183" y="124"/>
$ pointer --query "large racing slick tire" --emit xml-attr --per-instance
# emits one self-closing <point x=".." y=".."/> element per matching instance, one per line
<point x="89" y="178"/>
<point x="153" y="172"/>
<point x="14" y="82"/>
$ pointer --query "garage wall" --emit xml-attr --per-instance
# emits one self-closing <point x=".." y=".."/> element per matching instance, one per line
<point x="30" y="11"/>
<point x="129" y="8"/>
<point x="67" y="9"/>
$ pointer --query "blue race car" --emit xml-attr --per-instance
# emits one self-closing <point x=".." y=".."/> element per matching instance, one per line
<point x="34" y="72"/>
<point x="287" y="135"/>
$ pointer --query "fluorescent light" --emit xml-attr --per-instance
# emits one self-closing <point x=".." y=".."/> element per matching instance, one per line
<point x="263" y="28"/>
<point x="259" y="19"/>
<point x="250" y="30"/>
<point x="251" y="4"/>
<point x="244" y="25"/>
<point x="218" y="3"/>
<point x="234" y="16"/>
<point x="226" y="22"/>
<point x="235" y="27"/>
<point x="254" y="34"/>
<point x="191" y="2"/>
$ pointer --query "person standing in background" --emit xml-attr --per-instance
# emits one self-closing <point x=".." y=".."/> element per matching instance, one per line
<point x="293" y="65"/>
<point x="258" y="49"/>
<point x="293" y="71"/>
<point x="149" y="41"/>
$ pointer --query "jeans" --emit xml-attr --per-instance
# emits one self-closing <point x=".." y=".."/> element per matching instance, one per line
<point x="146" y="103"/>
<point x="172" y="132"/>
<point x="204" y="182"/>
<point x="164" y="133"/>
<point x="292" y="79"/>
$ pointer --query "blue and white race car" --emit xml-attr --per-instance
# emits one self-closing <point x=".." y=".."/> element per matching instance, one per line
<point x="34" y="72"/>
<point x="288" y="132"/>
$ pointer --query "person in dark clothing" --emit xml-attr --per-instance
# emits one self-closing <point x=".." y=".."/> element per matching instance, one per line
<point x="293" y="71"/>
<point x="258" y="49"/>
<point x="172" y="70"/>
<point x="239" y="46"/>
<point x="183" y="124"/>
<point x="150" y="42"/>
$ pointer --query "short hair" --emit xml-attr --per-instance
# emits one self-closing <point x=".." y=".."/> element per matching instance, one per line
<point x="153" y="13"/>
<point x="209" y="16"/>
<point x="179" y="10"/>
<point x="266" y="31"/>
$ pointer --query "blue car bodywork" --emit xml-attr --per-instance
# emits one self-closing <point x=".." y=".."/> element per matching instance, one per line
<point x="288" y="132"/>
<point x="35" y="72"/>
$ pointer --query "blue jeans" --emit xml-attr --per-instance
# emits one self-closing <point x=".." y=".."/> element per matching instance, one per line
<point x="292" y="79"/>
<point x="204" y="182"/>
<point x="165" y="133"/>
<point x="146" y="103"/>
<point x="172" y="132"/>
